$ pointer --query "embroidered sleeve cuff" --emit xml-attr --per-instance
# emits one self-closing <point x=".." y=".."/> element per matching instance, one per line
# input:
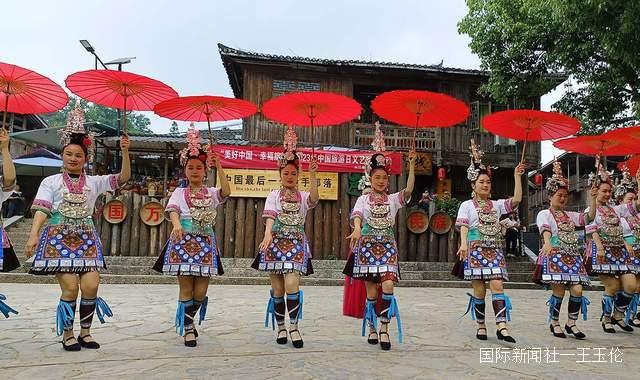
<point x="311" y="204"/>
<point x="355" y="214"/>
<point x="403" y="200"/>
<point x="582" y="219"/>
<point x="11" y="186"/>
<point x="271" y="214"/>
<point x="172" y="208"/>
<point x="220" y="198"/>
<point x="462" y="222"/>
<point x="591" y="228"/>
<point x="113" y="181"/>
<point x="42" y="205"/>
<point x="633" y="208"/>
<point x="544" y="227"/>
<point x="507" y="205"/>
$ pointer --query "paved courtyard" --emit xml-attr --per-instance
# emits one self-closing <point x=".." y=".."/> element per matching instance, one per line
<point x="140" y="340"/>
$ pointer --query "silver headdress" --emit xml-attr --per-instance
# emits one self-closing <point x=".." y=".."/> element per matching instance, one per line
<point x="600" y="176"/>
<point x="557" y="180"/>
<point x="290" y="143"/>
<point x="476" y="165"/>
<point x="74" y="132"/>
<point x="378" y="160"/>
<point x="626" y="184"/>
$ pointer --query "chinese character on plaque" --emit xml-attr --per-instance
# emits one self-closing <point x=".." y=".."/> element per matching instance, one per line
<point x="115" y="211"/>
<point x="151" y="213"/>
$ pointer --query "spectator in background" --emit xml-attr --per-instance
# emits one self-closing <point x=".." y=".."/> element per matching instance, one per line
<point x="511" y="224"/>
<point x="14" y="203"/>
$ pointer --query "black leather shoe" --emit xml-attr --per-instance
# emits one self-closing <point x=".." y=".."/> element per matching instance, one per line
<point x="386" y="346"/>
<point x="71" y="347"/>
<point x="296" y="343"/>
<point x="573" y="330"/>
<point x="190" y="343"/>
<point x="506" y="338"/>
<point x="553" y="331"/>
<point x="282" y="339"/>
<point x="372" y="338"/>
<point x="481" y="336"/>
<point x="620" y="323"/>
<point x="90" y="344"/>
<point x="606" y="329"/>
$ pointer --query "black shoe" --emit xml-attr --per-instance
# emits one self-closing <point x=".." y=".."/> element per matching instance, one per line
<point x="71" y="347"/>
<point x="296" y="343"/>
<point x="620" y="323"/>
<point x="553" y="331"/>
<point x="481" y="336"/>
<point x="386" y="346"/>
<point x="371" y="340"/>
<point x="633" y="323"/>
<point x="190" y="343"/>
<point x="577" y="333"/>
<point x="90" y="344"/>
<point x="282" y="339"/>
<point x="506" y="338"/>
<point x="606" y="329"/>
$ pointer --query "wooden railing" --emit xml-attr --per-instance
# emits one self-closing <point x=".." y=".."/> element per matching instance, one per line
<point x="395" y="137"/>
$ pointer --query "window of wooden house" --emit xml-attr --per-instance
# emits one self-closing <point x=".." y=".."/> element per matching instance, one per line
<point x="281" y="87"/>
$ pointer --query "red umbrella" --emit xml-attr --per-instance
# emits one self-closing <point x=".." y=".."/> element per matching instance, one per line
<point x="205" y="107"/>
<point x="26" y="92"/>
<point x="601" y="145"/>
<point x="632" y="163"/>
<point x="119" y="89"/>
<point x="311" y="109"/>
<point x="626" y="133"/>
<point x="420" y="109"/>
<point x="530" y="125"/>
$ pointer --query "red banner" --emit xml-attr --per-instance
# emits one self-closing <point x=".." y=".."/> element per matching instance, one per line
<point x="251" y="157"/>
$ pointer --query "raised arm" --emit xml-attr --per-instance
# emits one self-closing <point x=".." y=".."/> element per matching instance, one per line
<point x="8" y="169"/>
<point x="411" y="177"/>
<point x="125" y="173"/>
<point x="225" y="189"/>
<point x="517" y="188"/>
<point x="314" y="196"/>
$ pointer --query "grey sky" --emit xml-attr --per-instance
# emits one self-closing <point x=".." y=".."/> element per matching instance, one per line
<point x="175" y="41"/>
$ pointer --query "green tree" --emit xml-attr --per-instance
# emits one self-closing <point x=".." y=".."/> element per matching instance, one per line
<point x="174" y="128"/>
<point x="527" y="44"/>
<point x="136" y="123"/>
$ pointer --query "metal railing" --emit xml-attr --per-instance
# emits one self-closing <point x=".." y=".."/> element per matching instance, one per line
<point x="395" y="137"/>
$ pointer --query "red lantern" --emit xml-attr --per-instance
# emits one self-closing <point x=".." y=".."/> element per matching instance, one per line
<point x="442" y="174"/>
<point x="537" y="179"/>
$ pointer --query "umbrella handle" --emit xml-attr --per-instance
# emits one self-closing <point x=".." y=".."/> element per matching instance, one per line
<point x="6" y="107"/>
<point x="524" y="149"/>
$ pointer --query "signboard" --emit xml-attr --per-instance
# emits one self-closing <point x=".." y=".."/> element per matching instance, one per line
<point x="337" y="161"/>
<point x="115" y="211"/>
<point x="417" y="221"/>
<point x="424" y="163"/>
<point x="253" y="183"/>
<point x="440" y="223"/>
<point x="151" y="213"/>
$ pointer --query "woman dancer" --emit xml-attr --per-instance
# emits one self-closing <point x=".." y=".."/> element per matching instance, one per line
<point x="8" y="259"/>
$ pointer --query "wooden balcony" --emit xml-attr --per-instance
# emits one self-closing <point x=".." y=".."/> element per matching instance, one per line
<point x="395" y="137"/>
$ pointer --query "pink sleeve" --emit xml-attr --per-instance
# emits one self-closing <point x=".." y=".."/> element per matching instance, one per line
<point x="270" y="210"/>
<point x="399" y="199"/>
<point x="306" y="200"/>
<point x="504" y="206"/>
<point x="106" y="183"/>
<point x="578" y="218"/>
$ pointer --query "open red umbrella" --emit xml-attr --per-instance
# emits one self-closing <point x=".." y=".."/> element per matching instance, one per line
<point x="632" y="133"/>
<point x="601" y="145"/>
<point x="420" y="109"/>
<point x="119" y="89"/>
<point x="633" y="163"/>
<point x="26" y="92"/>
<point x="311" y="109"/>
<point x="205" y="108"/>
<point x="530" y="125"/>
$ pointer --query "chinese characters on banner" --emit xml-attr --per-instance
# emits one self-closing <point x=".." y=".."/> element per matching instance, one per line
<point x="259" y="183"/>
<point x="247" y="157"/>
<point x="417" y="221"/>
<point x="152" y="213"/>
<point x="115" y="211"/>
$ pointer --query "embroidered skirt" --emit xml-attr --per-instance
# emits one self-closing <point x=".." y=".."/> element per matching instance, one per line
<point x="482" y="263"/>
<point x="8" y="259"/>
<point x="561" y="268"/>
<point x="64" y="249"/>
<point x="615" y="261"/>
<point x="288" y="252"/>
<point x="374" y="259"/>
<point x="194" y="255"/>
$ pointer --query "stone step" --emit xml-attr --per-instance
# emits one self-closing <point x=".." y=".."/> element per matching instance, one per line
<point x="226" y="280"/>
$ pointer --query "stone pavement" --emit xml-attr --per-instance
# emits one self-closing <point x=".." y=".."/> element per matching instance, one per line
<point x="140" y="340"/>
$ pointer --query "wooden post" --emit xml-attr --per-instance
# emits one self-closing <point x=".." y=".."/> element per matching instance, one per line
<point x="412" y="247"/>
<point x="105" y="234"/>
<point x="327" y="228"/>
<point x="318" y="249"/>
<point x="153" y="241"/>
<point x="423" y="246"/>
<point x="165" y="181"/>
<point x="433" y="247"/>
<point x="229" y="228"/>
<point x="115" y="239"/>
<point x="259" y="226"/>
<point x="250" y="228"/>
<point x="403" y="238"/>
<point x="240" y="224"/>
<point x="135" y="225"/>
<point x="345" y="211"/>
<point x="442" y="248"/>
<point x="336" y="239"/>
<point x="126" y="226"/>
<point x="219" y="230"/>
<point x="143" y="244"/>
